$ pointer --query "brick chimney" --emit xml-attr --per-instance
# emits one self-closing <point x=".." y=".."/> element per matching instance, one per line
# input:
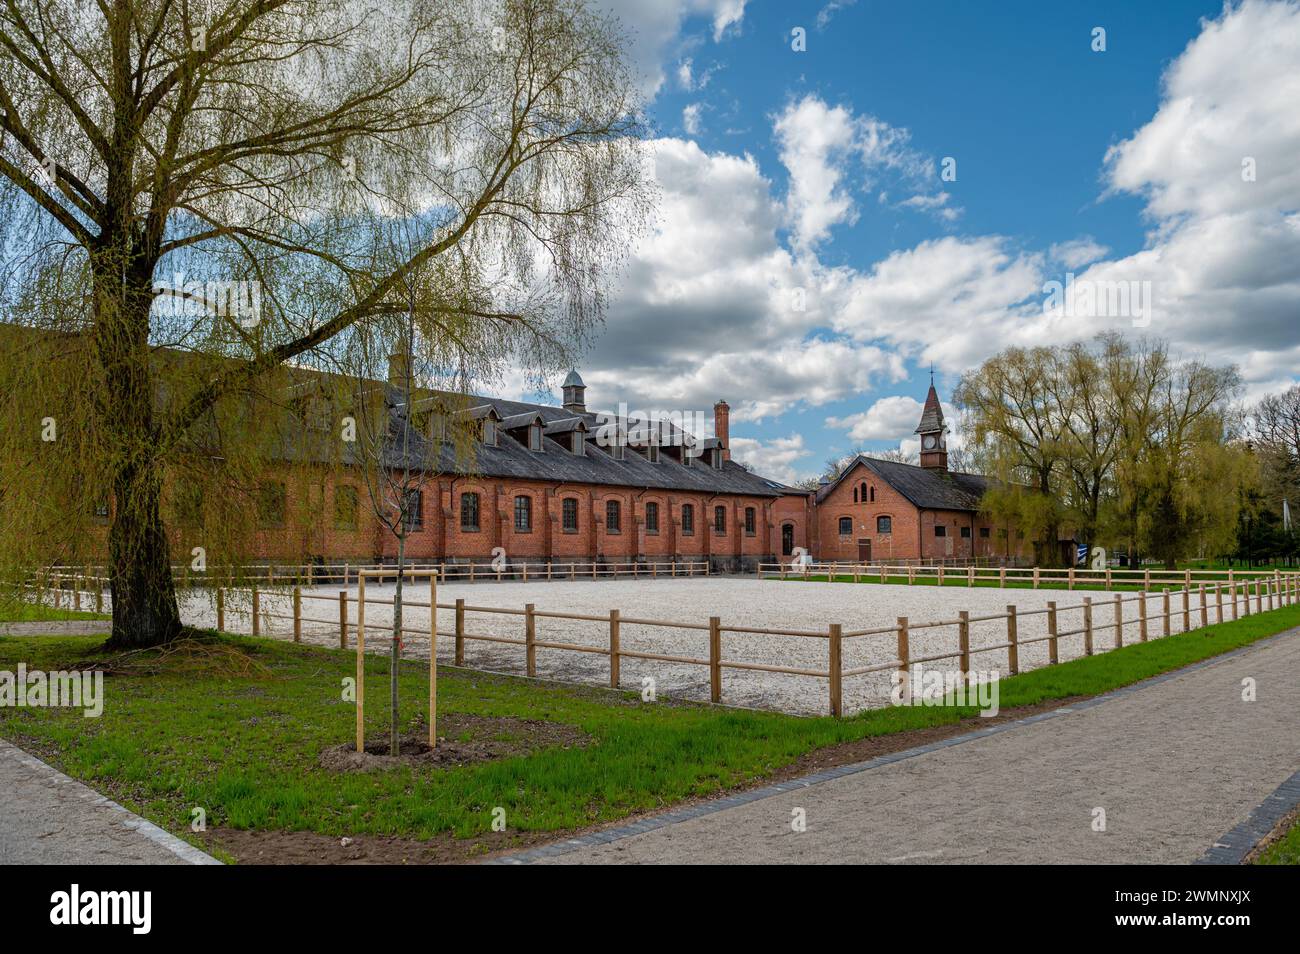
<point x="721" y="430"/>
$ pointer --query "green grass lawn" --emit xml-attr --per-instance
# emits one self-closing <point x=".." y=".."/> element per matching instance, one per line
<point x="1284" y="851"/>
<point x="238" y="732"/>
<point x="11" y="612"/>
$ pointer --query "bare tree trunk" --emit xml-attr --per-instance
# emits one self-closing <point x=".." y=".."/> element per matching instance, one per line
<point x="144" y="597"/>
<point x="394" y="743"/>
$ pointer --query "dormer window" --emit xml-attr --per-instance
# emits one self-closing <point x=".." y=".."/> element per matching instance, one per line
<point x="687" y="457"/>
<point x="616" y="449"/>
<point x="489" y="432"/>
<point x="535" y="437"/>
<point x="653" y="452"/>
<point x="579" y="443"/>
<point x="717" y="458"/>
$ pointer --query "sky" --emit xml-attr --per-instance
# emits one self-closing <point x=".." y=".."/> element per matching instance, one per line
<point x="896" y="187"/>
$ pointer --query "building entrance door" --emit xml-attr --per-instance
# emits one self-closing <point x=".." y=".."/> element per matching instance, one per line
<point x="864" y="551"/>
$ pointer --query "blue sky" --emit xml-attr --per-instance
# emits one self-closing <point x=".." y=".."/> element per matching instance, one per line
<point x="814" y="176"/>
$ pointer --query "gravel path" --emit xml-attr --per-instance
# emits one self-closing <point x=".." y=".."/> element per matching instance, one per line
<point x="48" y="818"/>
<point x="769" y="604"/>
<point x="1175" y="762"/>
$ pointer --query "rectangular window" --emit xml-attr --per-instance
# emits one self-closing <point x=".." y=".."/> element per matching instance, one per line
<point x="750" y="520"/>
<point x="846" y="526"/>
<point x="569" y="512"/>
<point x="984" y="533"/>
<point x="489" y="432"/>
<point x="523" y="514"/>
<point x="652" y="518"/>
<point x="579" y="444"/>
<point x="720" y="519"/>
<point x="345" y="507"/>
<point x="884" y="525"/>
<point x="469" y="512"/>
<point x="965" y="533"/>
<point x="613" y="517"/>
<point x="940" y="530"/>
<point x="717" y="458"/>
<point x="688" y="520"/>
<point x="270" y="504"/>
<point x="534" y="438"/>
<point x="413" y="507"/>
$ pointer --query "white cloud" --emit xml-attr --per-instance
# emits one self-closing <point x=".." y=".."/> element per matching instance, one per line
<point x="691" y="119"/>
<point x="822" y="146"/>
<point x="775" y="458"/>
<point x="654" y="27"/>
<point x="889" y="418"/>
<point x="825" y="13"/>
<point x="1077" y="252"/>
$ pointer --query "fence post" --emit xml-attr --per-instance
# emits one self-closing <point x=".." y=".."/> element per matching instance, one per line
<point x="1071" y="585"/>
<point x="1087" y="625"/>
<point x="460" y="631"/>
<point x="613" y="648"/>
<point x="1146" y="579"/>
<point x="1268" y="588"/>
<point x="715" y="659"/>
<point x="1218" y="602"/>
<point x="939" y="576"/>
<point x="99" y="594"/>
<point x="1013" y="637"/>
<point x="1119" y="621"/>
<point x="1035" y="577"/>
<point x="1108" y="581"/>
<point x="831" y="578"/>
<point x="1187" y="609"/>
<point x="1052" y="648"/>
<point x="1205" y="612"/>
<point x="343" y="619"/>
<point x="963" y="638"/>
<point x="911" y="574"/>
<point x="433" y="660"/>
<point x="297" y="615"/>
<point x="1166" y="611"/>
<point x="257" y="613"/>
<point x="361" y="662"/>
<point x="1142" y="616"/>
<point x="836" y="668"/>
<point x="530" y="639"/>
<point x="1002" y="578"/>
<point x="904" y="666"/>
<point x="1259" y="598"/>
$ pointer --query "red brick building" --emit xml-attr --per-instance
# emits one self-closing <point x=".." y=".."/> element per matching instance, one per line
<point x="546" y="483"/>
<point x="880" y="510"/>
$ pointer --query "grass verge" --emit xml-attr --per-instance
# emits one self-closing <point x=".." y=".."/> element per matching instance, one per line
<point x="11" y="612"/>
<point x="237" y="727"/>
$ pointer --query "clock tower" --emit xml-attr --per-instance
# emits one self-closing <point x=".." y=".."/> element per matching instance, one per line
<point x="934" y="443"/>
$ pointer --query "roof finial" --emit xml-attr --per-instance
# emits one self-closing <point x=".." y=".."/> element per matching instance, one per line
<point x="932" y="373"/>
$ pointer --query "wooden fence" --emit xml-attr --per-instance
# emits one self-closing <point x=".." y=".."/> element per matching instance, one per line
<point x="1031" y="577"/>
<point x="1198" y="602"/>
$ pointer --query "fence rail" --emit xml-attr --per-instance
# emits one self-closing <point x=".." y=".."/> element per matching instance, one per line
<point x="1194" y="602"/>
<point x="1034" y="577"/>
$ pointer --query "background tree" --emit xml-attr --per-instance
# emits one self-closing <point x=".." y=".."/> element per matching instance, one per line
<point x="250" y="148"/>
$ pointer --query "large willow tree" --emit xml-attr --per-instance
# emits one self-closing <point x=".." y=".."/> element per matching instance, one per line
<point x="196" y="200"/>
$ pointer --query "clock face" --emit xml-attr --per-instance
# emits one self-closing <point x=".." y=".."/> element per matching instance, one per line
<point x="929" y="443"/>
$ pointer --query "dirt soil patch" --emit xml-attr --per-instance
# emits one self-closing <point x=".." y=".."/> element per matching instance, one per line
<point x="462" y="740"/>
<point x="299" y="847"/>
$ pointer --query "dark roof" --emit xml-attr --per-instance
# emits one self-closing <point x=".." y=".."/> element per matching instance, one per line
<point x="573" y="380"/>
<point x="929" y="489"/>
<point x="555" y="462"/>
<point x="932" y="416"/>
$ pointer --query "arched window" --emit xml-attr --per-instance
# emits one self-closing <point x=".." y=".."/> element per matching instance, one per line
<point x="652" y="517"/>
<point x="751" y="519"/>
<point x="873" y="494"/>
<point x="855" y="494"/>
<point x="613" y="516"/>
<point x="569" y="514"/>
<point x="846" y="526"/>
<point x="688" y="519"/>
<point x="469" y="511"/>
<point x="720" y="519"/>
<point x="862" y="493"/>
<point x="523" y="514"/>
<point x="787" y="539"/>
<point x="884" y="525"/>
